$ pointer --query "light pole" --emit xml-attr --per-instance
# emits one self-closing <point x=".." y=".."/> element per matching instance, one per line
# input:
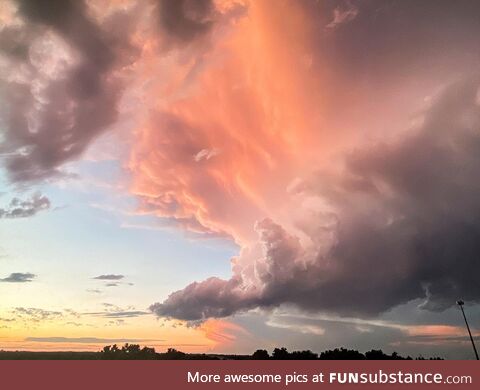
<point x="461" y="303"/>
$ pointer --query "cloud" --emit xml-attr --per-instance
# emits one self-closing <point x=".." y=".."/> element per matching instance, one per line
<point x="25" y="208"/>
<point x="222" y="332"/>
<point x="109" y="277"/>
<point x="86" y="340"/>
<point x="206" y="154"/>
<point x="185" y="20"/>
<point x="119" y="314"/>
<point x="62" y="85"/>
<point x="73" y="323"/>
<point x="217" y="174"/>
<point x="342" y="16"/>
<point x="65" y="66"/>
<point x="32" y="314"/>
<point x="399" y="222"/>
<point x="18" y="277"/>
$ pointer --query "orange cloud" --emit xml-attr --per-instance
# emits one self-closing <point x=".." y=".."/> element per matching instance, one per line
<point x="233" y="122"/>
<point x="222" y="332"/>
<point x="435" y="330"/>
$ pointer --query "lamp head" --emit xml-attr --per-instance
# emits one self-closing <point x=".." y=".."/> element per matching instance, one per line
<point x="460" y="303"/>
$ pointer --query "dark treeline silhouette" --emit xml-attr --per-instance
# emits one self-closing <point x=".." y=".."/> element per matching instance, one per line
<point x="135" y="352"/>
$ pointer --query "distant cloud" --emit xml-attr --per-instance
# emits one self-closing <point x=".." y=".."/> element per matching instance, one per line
<point x="25" y="208"/>
<point x="18" y="277"/>
<point x="342" y="16"/>
<point x="94" y="291"/>
<point x="111" y="285"/>
<point x="73" y="323"/>
<point x="85" y="340"/>
<point x="32" y="314"/>
<point x="118" y="322"/>
<point x="109" y="277"/>
<point x="119" y="314"/>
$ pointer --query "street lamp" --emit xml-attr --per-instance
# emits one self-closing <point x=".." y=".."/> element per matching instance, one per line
<point x="461" y="303"/>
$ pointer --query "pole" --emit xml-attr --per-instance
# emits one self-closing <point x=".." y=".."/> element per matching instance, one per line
<point x="460" y="303"/>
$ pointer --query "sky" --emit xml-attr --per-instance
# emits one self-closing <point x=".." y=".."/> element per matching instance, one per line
<point x="227" y="175"/>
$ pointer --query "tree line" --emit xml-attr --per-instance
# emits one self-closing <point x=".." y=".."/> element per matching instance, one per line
<point x="134" y="351"/>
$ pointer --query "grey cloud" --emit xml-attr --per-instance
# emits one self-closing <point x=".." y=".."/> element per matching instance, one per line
<point x="401" y="224"/>
<point x="109" y="277"/>
<point x="25" y="208"/>
<point x="74" y="107"/>
<point x="53" y="113"/>
<point x="35" y="314"/>
<point x="184" y="20"/>
<point x="403" y="37"/>
<point x="18" y="277"/>
<point x="119" y="314"/>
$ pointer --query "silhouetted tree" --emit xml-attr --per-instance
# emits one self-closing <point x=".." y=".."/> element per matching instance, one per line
<point x="376" y="354"/>
<point x="260" y="354"/>
<point x="342" y="354"/>
<point x="128" y="352"/>
<point x="303" y="355"/>
<point x="173" y="354"/>
<point x="280" y="354"/>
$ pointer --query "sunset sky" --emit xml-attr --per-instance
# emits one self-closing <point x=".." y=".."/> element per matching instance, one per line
<point x="228" y="175"/>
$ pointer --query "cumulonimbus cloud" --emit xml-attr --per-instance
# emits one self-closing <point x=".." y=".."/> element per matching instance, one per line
<point x="239" y="107"/>
<point x="400" y="222"/>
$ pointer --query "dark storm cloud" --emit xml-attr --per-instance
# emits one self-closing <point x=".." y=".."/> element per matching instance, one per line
<point x="185" y="20"/>
<point x="18" y="277"/>
<point x="25" y="208"/>
<point x="396" y="35"/>
<point x="43" y="132"/>
<point x="405" y="221"/>
<point x="109" y="277"/>
<point x="52" y="120"/>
